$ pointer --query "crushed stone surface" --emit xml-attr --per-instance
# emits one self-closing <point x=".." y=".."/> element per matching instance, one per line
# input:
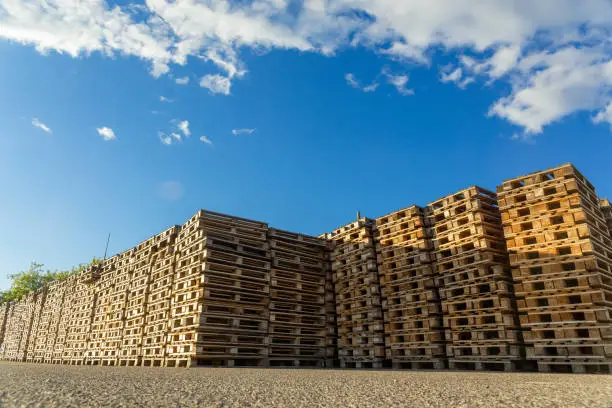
<point x="33" y="385"/>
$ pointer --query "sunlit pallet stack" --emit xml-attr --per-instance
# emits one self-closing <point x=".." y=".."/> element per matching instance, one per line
<point x="80" y="316"/>
<point x="17" y="330"/>
<point x="36" y="329"/>
<point x="8" y="328"/>
<point x="4" y="309"/>
<point x="561" y="254"/>
<point x="138" y="275"/>
<point x="157" y="308"/>
<point x="50" y="320"/>
<point x="298" y="332"/>
<point x="606" y="209"/>
<point x="221" y="293"/>
<point x="64" y="321"/>
<point x="475" y="281"/>
<point x="414" y="334"/>
<point x="361" y="339"/>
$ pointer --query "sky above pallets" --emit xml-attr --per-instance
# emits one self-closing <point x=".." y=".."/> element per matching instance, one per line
<point x="129" y="116"/>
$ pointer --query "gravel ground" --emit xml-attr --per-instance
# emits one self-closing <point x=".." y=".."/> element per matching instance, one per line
<point x="69" y="386"/>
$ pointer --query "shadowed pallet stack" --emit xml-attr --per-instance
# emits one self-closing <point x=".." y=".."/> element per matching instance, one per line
<point x="480" y="320"/>
<point x="36" y="329"/>
<point x="414" y="334"/>
<point x="361" y="339"/>
<point x="298" y="332"/>
<point x="4" y="309"/>
<point x="561" y="255"/>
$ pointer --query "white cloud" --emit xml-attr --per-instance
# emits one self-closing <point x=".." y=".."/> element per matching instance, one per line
<point x="216" y="84"/>
<point x="604" y="116"/>
<point x="205" y="140"/>
<point x="165" y="139"/>
<point x="182" y="81"/>
<point x="184" y="127"/>
<point x="243" y="131"/>
<point x="352" y="81"/>
<point x="164" y="99"/>
<point x="106" y="133"/>
<point x="497" y="40"/>
<point x="37" y="123"/>
<point x="399" y="81"/>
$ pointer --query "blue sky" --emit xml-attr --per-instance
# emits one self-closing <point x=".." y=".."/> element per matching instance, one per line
<point x="294" y="113"/>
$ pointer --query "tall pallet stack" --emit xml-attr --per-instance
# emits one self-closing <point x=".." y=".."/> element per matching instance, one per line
<point x="298" y="332"/>
<point x="561" y="255"/>
<point x="36" y="329"/>
<point x="80" y="317"/>
<point x="4" y="310"/>
<point x="361" y="339"/>
<point x="138" y="275"/>
<point x="221" y="293"/>
<point x="50" y="320"/>
<point x="606" y="210"/>
<point x="478" y="304"/>
<point x="414" y="334"/>
<point x="157" y="310"/>
<point x="64" y="323"/>
<point x="331" y="354"/>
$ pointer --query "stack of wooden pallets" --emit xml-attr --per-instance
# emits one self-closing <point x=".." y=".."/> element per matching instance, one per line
<point x="606" y="210"/>
<point x="57" y="346"/>
<point x="18" y="328"/>
<point x="49" y="321"/>
<point x="221" y="293"/>
<point x="34" y="353"/>
<point x="4" y="309"/>
<point x="157" y="311"/>
<point x="139" y="272"/>
<point x="479" y="308"/>
<point x="298" y="332"/>
<point x="361" y="340"/>
<point x="414" y="335"/>
<point x="9" y="330"/>
<point x="80" y="317"/>
<point x="561" y="255"/>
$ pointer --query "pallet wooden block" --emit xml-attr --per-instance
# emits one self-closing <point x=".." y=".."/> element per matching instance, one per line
<point x="561" y="254"/>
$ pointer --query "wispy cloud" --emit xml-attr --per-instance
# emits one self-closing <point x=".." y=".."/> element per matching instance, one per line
<point x="171" y="190"/>
<point x="184" y="127"/>
<point x="354" y="82"/>
<point x="106" y="133"/>
<point x="206" y="140"/>
<point x="399" y="81"/>
<point x="179" y="128"/>
<point x="216" y="84"/>
<point x="243" y="131"/>
<point x="37" y="123"/>
<point x="182" y="81"/>
<point x="164" y="99"/>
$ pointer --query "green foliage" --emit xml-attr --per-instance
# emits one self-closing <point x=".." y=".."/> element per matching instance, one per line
<point x="36" y="277"/>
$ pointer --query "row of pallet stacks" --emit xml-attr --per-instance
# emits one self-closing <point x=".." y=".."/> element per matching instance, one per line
<point x="298" y="332"/>
<point x="220" y="301"/>
<point x="561" y="256"/>
<point x="414" y="334"/>
<point x="475" y="282"/>
<point x="359" y="316"/>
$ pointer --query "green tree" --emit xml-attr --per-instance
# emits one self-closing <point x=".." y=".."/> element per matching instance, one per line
<point x="36" y="277"/>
